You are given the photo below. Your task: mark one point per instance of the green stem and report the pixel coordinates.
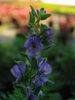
(30, 73)
(37, 27)
(34, 75)
(34, 28)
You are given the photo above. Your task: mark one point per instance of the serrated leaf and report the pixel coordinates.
(51, 45)
(33, 11)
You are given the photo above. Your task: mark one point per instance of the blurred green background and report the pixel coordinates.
(14, 17)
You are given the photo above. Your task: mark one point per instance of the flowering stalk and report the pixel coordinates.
(35, 70)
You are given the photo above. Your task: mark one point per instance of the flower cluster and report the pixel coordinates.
(35, 68)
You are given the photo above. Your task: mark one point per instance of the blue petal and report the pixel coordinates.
(37, 82)
(47, 69)
(16, 71)
(27, 44)
(43, 78)
(22, 67)
(30, 52)
(49, 41)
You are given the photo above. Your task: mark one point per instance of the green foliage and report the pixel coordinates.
(10, 52)
(55, 96)
(71, 99)
(18, 94)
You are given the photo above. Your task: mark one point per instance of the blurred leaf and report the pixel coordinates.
(42, 27)
(31, 31)
(43, 17)
(32, 18)
(34, 62)
(25, 36)
(42, 9)
(37, 90)
(50, 81)
(37, 11)
(33, 11)
(51, 45)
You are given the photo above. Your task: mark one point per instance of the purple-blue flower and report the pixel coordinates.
(33, 46)
(44, 69)
(18, 70)
(40, 93)
(49, 35)
(29, 94)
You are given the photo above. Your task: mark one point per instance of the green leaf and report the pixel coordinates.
(50, 81)
(42, 32)
(42, 9)
(29, 23)
(32, 19)
(34, 62)
(42, 28)
(37, 20)
(41, 13)
(37, 90)
(37, 11)
(33, 11)
(51, 45)
(17, 62)
(23, 54)
(31, 31)
(25, 36)
(43, 17)
(45, 12)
